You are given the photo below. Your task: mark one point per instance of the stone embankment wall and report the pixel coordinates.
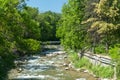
(96, 59)
(99, 59)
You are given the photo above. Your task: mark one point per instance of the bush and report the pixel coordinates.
(115, 54)
(100, 49)
(73, 56)
(30, 46)
(83, 62)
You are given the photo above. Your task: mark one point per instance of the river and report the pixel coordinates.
(53, 65)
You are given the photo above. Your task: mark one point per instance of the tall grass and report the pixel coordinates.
(102, 71)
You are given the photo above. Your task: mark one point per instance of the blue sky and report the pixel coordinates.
(46, 5)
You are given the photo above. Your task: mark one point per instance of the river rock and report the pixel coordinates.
(19, 70)
(65, 64)
(70, 65)
(86, 71)
(60, 58)
(52, 62)
(65, 57)
(49, 55)
(78, 69)
(66, 68)
(105, 79)
(81, 79)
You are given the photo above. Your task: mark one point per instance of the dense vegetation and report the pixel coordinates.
(92, 25)
(22, 28)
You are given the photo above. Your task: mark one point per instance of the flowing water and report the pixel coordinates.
(52, 66)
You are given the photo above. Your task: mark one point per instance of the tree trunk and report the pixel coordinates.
(107, 47)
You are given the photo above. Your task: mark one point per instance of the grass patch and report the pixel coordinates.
(102, 71)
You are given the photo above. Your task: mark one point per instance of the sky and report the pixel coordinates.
(46, 5)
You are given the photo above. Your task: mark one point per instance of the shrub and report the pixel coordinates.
(100, 49)
(73, 56)
(30, 46)
(115, 54)
(83, 62)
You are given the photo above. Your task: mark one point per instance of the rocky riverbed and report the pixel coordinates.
(53, 65)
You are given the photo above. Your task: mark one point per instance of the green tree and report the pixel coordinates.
(10, 29)
(105, 21)
(30, 23)
(71, 31)
(11, 20)
(48, 24)
(31, 31)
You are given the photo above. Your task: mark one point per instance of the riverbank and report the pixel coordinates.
(98, 71)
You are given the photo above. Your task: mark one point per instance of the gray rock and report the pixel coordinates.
(81, 79)
(66, 68)
(105, 79)
(86, 71)
(65, 64)
(65, 57)
(77, 69)
(19, 70)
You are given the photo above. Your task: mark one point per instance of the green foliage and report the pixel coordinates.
(30, 46)
(10, 27)
(77, 61)
(115, 54)
(13, 29)
(70, 30)
(101, 71)
(31, 29)
(48, 24)
(73, 56)
(81, 63)
(100, 49)
(106, 20)
(93, 23)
